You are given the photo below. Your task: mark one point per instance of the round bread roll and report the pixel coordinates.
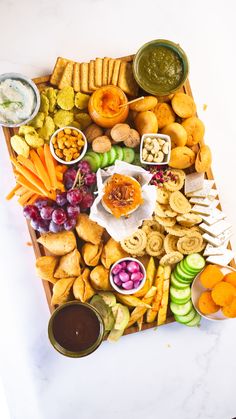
(181, 158)
(165, 114)
(195, 130)
(203, 159)
(177, 134)
(146, 104)
(183, 105)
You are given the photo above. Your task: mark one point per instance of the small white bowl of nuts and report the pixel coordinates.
(155, 149)
(68, 145)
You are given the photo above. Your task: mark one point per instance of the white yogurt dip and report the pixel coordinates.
(17, 101)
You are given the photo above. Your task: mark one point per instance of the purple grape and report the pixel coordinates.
(59, 216)
(116, 269)
(137, 276)
(136, 284)
(133, 267)
(43, 226)
(43, 202)
(35, 224)
(70, 224)
(124, 277)
(117, 280)
(129, 285)
(74, 196)
(90, 179)
(61, 199)
(69, 178)
(31, 212)
(55, 228)
(84, 167)
(87, 201)
(46, 213)
(73, 212)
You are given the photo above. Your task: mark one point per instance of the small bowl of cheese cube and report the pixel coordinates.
(155, 149)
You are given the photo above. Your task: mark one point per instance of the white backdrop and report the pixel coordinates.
(173, 372)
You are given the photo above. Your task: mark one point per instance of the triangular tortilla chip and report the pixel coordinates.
(69, 265)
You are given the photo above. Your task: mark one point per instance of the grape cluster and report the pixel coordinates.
(47, 215)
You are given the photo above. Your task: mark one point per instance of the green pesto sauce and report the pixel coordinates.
(160, 68)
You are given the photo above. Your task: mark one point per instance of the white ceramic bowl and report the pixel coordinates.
(197, 289)
(134, 290)
(24, 80)
(163, 137)
(81, 154)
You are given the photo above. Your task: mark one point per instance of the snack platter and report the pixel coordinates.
(40, 250)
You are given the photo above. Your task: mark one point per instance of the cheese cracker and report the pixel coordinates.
(66, 78)
(105, 71)
(76, 77)
(126, 79)
(115, 73)
(91, 70)
(84, 78)
(98, 72)
(58, 70)
(110, 69)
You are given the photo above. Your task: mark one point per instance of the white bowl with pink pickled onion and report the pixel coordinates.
(127, 275)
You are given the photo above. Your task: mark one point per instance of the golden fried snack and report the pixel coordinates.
(69, 265)
(160, 210)
(152, 225)
(146, 104)
(177, 134)
(191, 243)
(165, 114)
(155, 243)
(179, 203)
(189, 219)
(136, 243)
(146, 122)
(171, 258)
(89, 230)
(58, 243)
(181, 157)
(195, 130)
(82, 288)
(169, 212)
(162, 196)
(112, 251)
(165, 221)
(170, 243)
(45, 268)
(183, 105)
(91, 253)
(61, 290)
(177, 181)
(203, 159)
(177, 230)
(99, 278)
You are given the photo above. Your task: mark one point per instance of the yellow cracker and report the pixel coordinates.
(110, 69)
(98, 72)
(76, 77)
(115, 73)
(91, 70)
(105, 71)
(126, 79)
(84, 78)
(66, 78)
(58, 70)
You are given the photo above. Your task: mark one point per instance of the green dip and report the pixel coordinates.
(160, 69)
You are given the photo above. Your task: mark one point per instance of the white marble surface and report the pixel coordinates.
(175, 372)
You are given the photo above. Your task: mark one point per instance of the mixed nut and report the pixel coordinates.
(68, 144)
(155, 150)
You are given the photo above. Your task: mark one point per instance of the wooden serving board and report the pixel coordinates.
(39, 250)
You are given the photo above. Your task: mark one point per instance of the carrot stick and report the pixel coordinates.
(31, 178)
(50, 166)
(27, 163)
(12, 192)
(24, 182)
(60, 186)
(24, 198)
(59, 175)
(61, 168)
(41, 155)
(21, 191)
(41, 171)
(32, 199)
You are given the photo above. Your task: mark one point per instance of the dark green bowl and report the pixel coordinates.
(151, 88)
(65, 351)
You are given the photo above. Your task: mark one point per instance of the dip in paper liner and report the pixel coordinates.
(119, 228)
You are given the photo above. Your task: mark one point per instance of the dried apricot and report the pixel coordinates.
(206, 304)
(230, 278)
(230, 309)
(223, 293)
(211, 276)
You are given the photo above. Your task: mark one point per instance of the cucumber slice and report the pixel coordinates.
(96, 156)
(128, 154)
(112, 155)
(195, 321)
(176, 283)
(176, 275)
(186, 269)
(92, 162)
(179, 301)
(137, 161)
(105, 159)
(187, 318)
(119, 152)
(195, 261)
(183, 275)
(178, 295)
(181, 309)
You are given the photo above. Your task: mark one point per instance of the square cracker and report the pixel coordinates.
(91, 70)
(126, 79)
(115, 74)
(76, 77)
(84, 80)
(98, 72)
(105, 71)
(110, 69)
(66, 78)
(58, 70)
